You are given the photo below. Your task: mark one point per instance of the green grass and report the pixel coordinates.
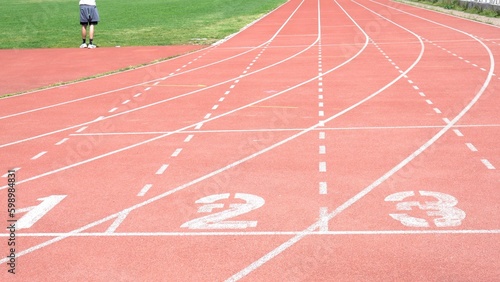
(55, 23)
(456, 5)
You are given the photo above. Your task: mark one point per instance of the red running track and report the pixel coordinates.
(329, 141)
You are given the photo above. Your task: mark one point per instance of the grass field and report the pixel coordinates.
(55, 23)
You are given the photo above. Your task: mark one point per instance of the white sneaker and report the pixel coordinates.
(84, 45)
(91, 46)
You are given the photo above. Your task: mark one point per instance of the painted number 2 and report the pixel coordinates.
(219, 220)
(444, 209)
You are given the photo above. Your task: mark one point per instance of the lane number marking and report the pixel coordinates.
(444, 210)
(219, 220)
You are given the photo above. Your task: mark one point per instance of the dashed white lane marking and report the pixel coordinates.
(487, 164)
(82, 129)
(39, 155)
(198, 126)
(188, 138)
(121, 217)
(156, 83)
(428, 102)
(322, 166)
(99, 118)
(207, 116)
(221, 99)
(162, 169)
(421, 94)
(215, 107)
(438, 111)
(323, 188)
(113, 110)
(62, 141)
(323, 219)
(125, 102)
(321, 113)
(147, 89)
(137, 95)
(322, 135)
(144, 190)
(176, 152)
(471, 147)
(458, 133)
(446, 120)
(7, 174)
(322, 150)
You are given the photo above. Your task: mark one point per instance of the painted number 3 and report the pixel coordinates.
(443, 210)
(219, 220)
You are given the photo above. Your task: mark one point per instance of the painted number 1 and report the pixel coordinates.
(219, 220)
(444, 209)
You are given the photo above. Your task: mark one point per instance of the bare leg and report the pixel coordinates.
(91, 32)
(84, 32)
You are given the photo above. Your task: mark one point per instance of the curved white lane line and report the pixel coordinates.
(156, 79)
(244, 272)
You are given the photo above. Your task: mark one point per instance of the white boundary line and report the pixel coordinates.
(259, 233)
(283, 129)
(273, 253)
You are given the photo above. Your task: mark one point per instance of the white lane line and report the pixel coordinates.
(207, 116)
(258, 233)
(144, 190)
(7, 174)
(323, 188)
(147, 89)
(487, 164)
(446, 120)
(162, 169)
(215, 107)
(471, 147)
(121, 217)
(321, 104)
(322, 135)
(125, 102)
(323, 219)
(428, 102)
(322, 166)
(62, 141)
(421, 94)
(227, 92)
(221, 99)
(137, 95)
(188, 138)
(39, 155)
(176, 152)
(321, 113)
(113, 110)
(156, 83)
(81, 129)
(415, 87)
(322, 150)
(438, 111)
(458, 133)
(198, 126)
(99, 118)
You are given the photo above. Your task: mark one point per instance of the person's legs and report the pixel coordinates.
(91, 33)
(84, 36)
